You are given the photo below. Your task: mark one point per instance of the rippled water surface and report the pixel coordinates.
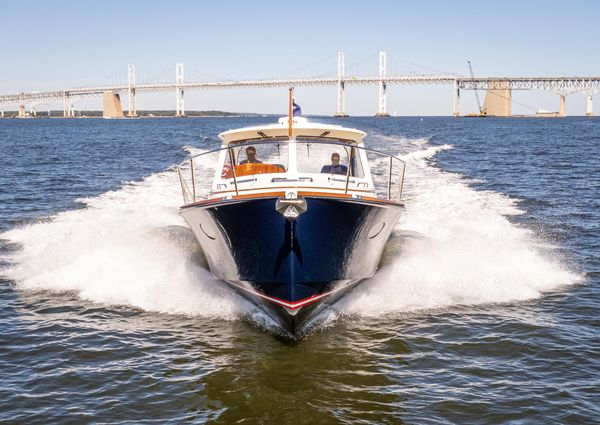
(484, 310)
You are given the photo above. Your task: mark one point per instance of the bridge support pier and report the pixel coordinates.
(68, 110)
(179, 106)
(498, 99)
(111, 105)
(589, 105)
(382, 112)
(562, 112)
(341, 107)
(456, 111)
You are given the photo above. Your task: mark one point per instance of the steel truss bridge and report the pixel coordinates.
(562, 86)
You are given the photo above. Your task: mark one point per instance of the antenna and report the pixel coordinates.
(290, 113)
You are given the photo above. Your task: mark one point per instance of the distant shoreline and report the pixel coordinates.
(140, 114)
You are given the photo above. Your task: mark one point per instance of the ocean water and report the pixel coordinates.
(485, 308)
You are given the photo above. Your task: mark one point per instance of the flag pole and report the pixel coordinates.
(290, 116)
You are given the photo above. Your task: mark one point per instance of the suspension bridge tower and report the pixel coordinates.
(179, 107)
(341, 107)
(131, 91)
(382, 112)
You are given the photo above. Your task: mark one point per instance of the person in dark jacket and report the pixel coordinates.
(335, 167)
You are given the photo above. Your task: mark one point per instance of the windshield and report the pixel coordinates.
(258, 158)
(315, 156)
(261, 153)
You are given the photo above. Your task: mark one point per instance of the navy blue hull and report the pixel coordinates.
(290, 265)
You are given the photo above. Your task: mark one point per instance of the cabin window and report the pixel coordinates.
(315, 157)
(267, 159)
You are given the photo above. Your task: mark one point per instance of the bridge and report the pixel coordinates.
(498, 97)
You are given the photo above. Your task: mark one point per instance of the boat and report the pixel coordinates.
(285, 223)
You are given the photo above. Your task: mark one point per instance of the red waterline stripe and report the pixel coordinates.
(290, 305)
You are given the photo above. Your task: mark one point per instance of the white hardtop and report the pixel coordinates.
(304, 164)
(301, 162)
(301, 127)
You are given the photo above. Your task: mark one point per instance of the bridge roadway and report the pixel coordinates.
(566, 84)
(559, 85)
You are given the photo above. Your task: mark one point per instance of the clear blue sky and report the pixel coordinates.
(49, 45)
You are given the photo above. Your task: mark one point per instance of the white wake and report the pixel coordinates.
(126, 247)
(454, 245)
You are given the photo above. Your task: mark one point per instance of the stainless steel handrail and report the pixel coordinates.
(232, 160)
(187, 195)
(268, 142)
(184, 189)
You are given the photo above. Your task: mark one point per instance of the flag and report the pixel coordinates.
(296, 111)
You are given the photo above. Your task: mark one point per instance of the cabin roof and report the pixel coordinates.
(300, 127)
